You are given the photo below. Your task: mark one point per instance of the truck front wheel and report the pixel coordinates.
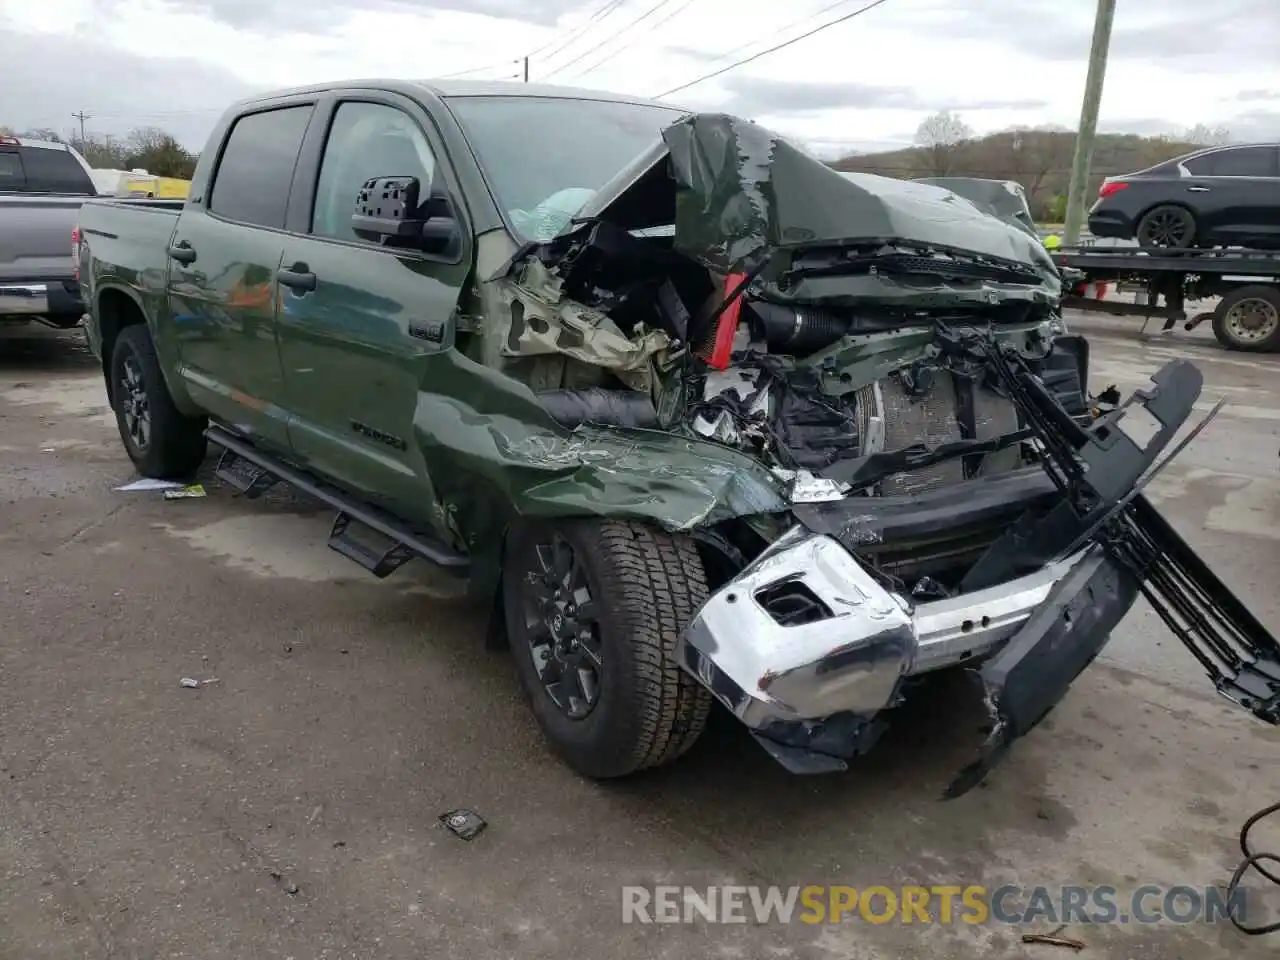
(160, 440)
(593, 610)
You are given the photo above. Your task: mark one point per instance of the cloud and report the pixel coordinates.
(313, 14)
(756, 95)
(1251, 95)
(46, 78)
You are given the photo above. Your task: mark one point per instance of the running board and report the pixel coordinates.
(253, 472)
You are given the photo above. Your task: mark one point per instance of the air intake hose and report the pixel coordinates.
(793, 330)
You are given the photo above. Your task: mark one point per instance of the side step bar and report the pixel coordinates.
(253, 472)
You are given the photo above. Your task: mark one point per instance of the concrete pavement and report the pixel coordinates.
(141, 819)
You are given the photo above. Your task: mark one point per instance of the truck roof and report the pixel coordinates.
(466, 88)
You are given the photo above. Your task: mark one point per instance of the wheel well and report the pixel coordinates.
(116, 310)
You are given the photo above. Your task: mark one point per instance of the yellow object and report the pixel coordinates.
(162, 188)
(1052, 241)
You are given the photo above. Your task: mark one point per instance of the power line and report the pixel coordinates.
(769, 50)
(600, 14)
(82, 117)
(492, 66)
(614, 36)
(807, 18)
(649, 29)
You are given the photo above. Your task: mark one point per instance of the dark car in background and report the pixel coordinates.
(1220, 196)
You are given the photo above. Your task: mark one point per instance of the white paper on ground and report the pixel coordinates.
(146, 483)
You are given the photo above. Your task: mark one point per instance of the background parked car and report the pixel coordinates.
(1222, 196)
(42, 185)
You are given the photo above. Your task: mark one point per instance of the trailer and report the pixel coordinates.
(1247, 316)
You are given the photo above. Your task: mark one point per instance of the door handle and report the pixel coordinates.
(183, 252)
(297, 278)
(1197, 189)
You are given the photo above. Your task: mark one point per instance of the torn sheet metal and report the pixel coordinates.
(545, 323)
(745, 194)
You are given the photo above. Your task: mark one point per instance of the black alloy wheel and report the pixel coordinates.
(562, 634)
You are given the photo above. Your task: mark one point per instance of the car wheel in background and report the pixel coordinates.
(1249, 319)
(1167, 225)
(593, 611)
(161, 441)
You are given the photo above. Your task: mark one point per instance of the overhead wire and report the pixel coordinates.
(775, 48)
(608, 40)
(600, 14)
(647, 30)
(564, 41)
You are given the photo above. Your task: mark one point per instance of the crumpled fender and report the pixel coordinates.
(494, 453)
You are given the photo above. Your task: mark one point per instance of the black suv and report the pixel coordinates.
(1221, 196)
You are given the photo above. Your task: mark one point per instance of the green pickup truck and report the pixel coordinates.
(700, 419)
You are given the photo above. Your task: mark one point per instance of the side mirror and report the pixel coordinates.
(389, 211)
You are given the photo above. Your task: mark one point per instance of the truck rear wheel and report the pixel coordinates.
(1249, 319)
(594, 609)
(160, 440)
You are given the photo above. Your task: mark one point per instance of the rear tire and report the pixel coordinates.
(631, 590)
(1167, 225)
(1249, 319)
(161, 441)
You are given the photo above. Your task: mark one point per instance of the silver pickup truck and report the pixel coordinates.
(42, 186)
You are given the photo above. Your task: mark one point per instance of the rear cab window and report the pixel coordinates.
(255, 173)
(40, 169)
(1236, 162)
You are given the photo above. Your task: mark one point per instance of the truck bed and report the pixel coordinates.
(126, 241)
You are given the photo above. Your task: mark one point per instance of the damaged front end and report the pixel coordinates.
(893, 361)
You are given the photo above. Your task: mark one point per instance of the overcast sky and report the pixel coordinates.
(861, 85)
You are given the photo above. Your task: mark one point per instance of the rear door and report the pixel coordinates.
(1236, 192)
(375, 325)
(222, 290)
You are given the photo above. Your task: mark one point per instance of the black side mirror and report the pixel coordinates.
(389, 212)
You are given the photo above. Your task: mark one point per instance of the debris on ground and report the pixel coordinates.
(1054, 938)
(465, 823)
(147, 483)
(193, 491)
(191, 683)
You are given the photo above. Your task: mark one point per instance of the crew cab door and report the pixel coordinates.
(223, 260)
(1236, 191)
(363, 328)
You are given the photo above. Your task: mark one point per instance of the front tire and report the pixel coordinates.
(162, 442)
(594, 609)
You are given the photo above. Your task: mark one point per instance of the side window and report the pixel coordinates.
(12, 176)
(1237, 162)
(251, 184)
(366, 140)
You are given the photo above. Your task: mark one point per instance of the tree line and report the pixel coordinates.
(1039, 158)
(148, 148)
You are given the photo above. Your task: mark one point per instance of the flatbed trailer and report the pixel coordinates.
(1248, 282)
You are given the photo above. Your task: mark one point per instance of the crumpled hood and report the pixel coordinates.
(1000, 198)
(744, 193)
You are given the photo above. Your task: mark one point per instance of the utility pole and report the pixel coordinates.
(1083, 159)
(526, 69)
(82, 117)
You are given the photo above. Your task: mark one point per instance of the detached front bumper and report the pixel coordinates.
(805, 647)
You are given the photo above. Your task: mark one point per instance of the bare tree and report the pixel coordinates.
(1203, 135)
(939, 135)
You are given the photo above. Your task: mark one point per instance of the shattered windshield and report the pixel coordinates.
(545, 157)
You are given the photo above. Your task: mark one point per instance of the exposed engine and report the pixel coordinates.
(856, 395)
